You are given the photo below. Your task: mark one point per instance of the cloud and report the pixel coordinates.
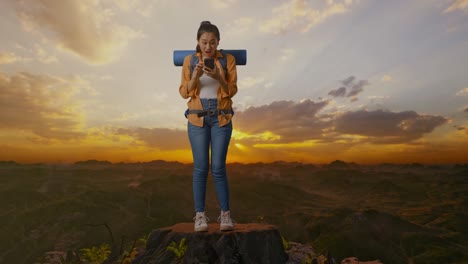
(458, 4)
(141, 7)
(44, 57)
(348, 81)
(354, 88)
(250, 82)
(8, 57)
(222, 4)
(162, 138)
(291, 121)
(297, 15)
(41, 104)
(387, 78)
(357, 88)
(340, 92)
(239, 26)
(86, 28)
(286, 54)
(387, 127)
(377, 97)
(463, 92)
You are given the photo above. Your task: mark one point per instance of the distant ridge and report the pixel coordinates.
(341, 164)
(333, 164)
(8, 163)
(93, 162)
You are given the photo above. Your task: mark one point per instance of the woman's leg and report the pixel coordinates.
(199, 140)
(220, 137)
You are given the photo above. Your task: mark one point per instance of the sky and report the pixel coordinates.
(363, 81)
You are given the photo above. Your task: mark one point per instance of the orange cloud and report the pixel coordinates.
(162, 138)
(291, 121)
(7, 57)
(458, 4)
(41, 104)
(86, 28)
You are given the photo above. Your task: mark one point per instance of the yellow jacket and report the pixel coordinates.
(224, 99)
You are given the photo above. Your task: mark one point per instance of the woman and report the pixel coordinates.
(209, 120)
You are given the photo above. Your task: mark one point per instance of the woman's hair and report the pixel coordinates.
(206, 26)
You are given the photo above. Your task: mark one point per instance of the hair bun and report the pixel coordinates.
(205, 23)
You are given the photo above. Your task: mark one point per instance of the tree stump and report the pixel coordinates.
(247, 243)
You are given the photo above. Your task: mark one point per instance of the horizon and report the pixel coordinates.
(363, 81)
(240, 163)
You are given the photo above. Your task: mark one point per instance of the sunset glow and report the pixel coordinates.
(324, 80)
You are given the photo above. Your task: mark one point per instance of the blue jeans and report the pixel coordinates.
(200, 139)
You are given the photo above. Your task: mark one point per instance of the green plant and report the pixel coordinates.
(285, 243)
(307, 260)
(96, 255)
(322, 259)
(260, 219)
(179, 250)
(144, 239)
(128, 256)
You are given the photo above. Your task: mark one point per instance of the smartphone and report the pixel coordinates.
(209, 62)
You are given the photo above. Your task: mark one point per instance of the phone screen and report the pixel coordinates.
(209, 62)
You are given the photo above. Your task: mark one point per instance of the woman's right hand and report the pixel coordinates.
(198, 70)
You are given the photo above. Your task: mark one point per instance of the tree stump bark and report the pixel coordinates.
(247, 244)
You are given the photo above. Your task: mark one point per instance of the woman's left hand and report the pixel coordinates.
(213, 73)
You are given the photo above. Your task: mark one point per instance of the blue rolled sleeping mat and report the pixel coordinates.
(239, 54)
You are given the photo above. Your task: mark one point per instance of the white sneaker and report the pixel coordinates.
(201, 222)
(226, 223)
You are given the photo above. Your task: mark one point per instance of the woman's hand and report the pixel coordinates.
(213, 73)
(198, 70)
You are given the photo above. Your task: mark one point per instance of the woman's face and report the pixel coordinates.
(208, 44)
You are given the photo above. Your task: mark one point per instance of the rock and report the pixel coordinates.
(248, 243)
(298, 253)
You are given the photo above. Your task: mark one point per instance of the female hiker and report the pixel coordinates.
(210, 88)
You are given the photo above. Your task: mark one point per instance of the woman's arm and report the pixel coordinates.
(229, 86)
(188, 83)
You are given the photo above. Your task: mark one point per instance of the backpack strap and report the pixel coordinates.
(223, 63)
(194, 61)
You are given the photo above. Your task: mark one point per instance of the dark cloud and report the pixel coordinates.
(162, 138)
(41, 104)
(387, 127)
(292, 121)
(302, 121)
(349, 84)
(348, 81)
(357, 88)
(340, 92)
(461, 128)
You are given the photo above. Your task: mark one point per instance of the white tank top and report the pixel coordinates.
(208, 87)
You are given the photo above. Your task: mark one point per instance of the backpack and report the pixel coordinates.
(194, 62)
(222, 61)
